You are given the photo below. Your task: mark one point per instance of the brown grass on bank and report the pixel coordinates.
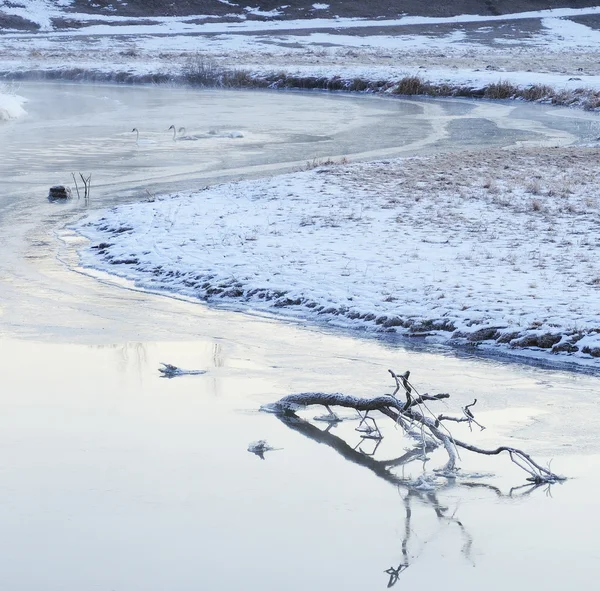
(537, 92)
(501, 90)
(411, 85)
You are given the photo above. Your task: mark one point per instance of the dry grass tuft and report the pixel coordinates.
(536, 205)
(501, 90)
(534, 187)
(537, 92)
(411, 85)
(201, 72)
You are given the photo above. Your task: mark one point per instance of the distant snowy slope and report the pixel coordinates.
(40, 12)
(45, 15)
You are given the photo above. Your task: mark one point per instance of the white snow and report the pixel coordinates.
(40, 12)
(456, 57)
(11, 105)
(384, 246)
(255, 10)
(569, 34)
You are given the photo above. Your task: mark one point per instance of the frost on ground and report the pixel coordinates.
(498, 248)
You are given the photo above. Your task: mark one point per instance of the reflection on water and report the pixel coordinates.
(218, 358)
(129, 356)
(422, 490)
(154, 476)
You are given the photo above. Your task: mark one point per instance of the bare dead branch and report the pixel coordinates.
(441, 418)
(76, 186)
(411, 416)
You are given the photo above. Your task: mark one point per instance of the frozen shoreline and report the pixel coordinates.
(534, 290)
(482, 254)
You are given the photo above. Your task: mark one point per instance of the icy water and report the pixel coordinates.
(112, 477)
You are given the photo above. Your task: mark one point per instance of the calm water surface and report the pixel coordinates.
(113, 478)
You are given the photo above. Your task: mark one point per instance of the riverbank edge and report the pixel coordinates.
(202, 74)
(572, 345)
(199, 73)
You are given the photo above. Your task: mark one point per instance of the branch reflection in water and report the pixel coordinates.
(410, 490)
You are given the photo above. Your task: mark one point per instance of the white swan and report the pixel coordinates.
(229, 134)
(182, 135)
(137, 138)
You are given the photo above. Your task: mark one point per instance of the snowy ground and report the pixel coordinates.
(467, 50)
(484, 253)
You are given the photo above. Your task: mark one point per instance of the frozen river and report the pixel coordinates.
(113, 478)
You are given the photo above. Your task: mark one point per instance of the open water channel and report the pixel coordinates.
(113, 478)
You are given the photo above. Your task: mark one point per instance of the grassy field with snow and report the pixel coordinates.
(498, 250)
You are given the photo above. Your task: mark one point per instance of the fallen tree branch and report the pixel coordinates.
(412, 416)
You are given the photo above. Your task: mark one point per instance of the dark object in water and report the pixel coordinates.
(59, 193)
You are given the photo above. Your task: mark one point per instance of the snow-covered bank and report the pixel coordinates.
(499, 250)
(557, 49)
(11, 105)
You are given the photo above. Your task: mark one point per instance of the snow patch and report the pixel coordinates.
(266, 13)
(11, 106)
(40, 12)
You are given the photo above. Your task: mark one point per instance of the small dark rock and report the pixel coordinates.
(595, 352)
(394, 321)
(484, 334)
(432, 325)
(132, 261)
(59, 193)
(102, 246)
(234, 292)
(544, 341)
(507, 337)
(565, 347)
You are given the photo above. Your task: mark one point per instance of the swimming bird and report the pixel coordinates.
(229, 134)
(137, 138)
(182, 135)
